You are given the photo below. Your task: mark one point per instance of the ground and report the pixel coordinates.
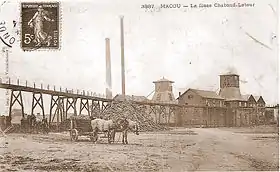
(182, 149)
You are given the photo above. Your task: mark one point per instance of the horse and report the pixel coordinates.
(132, 126)
(101, 125)
(107, 126)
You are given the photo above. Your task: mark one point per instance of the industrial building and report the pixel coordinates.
(227, 108)
(163, 91)
(197, 97)
(229, 95)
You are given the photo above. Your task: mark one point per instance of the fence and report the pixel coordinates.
(220, 116)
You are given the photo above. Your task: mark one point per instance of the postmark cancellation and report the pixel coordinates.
(40, 25)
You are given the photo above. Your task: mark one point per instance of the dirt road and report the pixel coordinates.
(177, 150)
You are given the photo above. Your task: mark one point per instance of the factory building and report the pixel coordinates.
(227, 108)
(197, 97)
(229, 95)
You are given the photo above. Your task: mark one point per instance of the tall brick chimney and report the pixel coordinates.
(122, 58)
(108, 70)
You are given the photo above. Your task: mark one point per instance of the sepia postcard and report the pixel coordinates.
(173, 86)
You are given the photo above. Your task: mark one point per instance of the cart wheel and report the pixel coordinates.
(74, 135)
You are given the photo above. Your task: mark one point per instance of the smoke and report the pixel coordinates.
(231, 70)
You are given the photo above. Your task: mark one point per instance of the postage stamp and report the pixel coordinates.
(40, 25)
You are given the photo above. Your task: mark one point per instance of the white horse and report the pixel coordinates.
(132, 126)
(107, 126)
(101, 125)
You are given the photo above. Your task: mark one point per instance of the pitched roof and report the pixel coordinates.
(257, 97)
(163, 80)
(205, 93)
(246, 96)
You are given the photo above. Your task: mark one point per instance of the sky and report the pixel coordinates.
(188, 46)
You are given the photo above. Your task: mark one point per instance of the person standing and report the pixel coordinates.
(37, 22)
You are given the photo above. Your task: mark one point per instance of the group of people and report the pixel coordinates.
(31, 124)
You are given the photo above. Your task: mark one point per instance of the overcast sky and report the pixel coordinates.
(189, 46)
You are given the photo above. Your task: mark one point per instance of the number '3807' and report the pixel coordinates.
(147, 6)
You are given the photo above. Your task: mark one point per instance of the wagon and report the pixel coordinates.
(82, 127)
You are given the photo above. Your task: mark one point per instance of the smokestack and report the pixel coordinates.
(108, 70)
(122, 58)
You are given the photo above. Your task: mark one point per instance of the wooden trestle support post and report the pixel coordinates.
(38, 101)
(57, 102)
(104, 106)
(71, 103)
(84, 105)
(16, 97)
(161, 113)
(95, 108)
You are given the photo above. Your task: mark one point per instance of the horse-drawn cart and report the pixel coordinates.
(82, 127)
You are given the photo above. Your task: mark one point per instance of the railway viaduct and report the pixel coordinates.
(62, 100)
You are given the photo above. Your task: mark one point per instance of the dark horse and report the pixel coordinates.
(132, 126)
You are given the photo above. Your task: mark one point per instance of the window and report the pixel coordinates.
(170, 96)
(240, 103)
(245, 104)
(190, 96)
